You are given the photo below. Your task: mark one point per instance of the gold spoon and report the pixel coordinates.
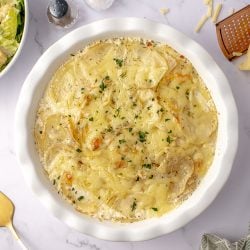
(6, 217)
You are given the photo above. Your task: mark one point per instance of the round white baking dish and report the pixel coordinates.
(33, 90)
(25, 31)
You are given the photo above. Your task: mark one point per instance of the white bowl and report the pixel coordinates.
(33, 90)
(25, 31)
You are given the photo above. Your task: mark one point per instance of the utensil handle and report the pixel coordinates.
(13, 231)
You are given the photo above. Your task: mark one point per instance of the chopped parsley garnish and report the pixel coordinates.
(122, 141)
(167, 119)
(177, 87)
(82, 89)
(133, 206)
(78, 150)
(40, 132)
(123, 158)
(136, 116)
(130, 129)
(151, 177)
(123, 74)
(170, 131)
(142, 136)
(187, 93)
(119, 62)
(138, 178)
(155, 209)
(109, 129)
(103, 85)
(169, 139)
(134, 104)
(117, 112)
(99, 197)
(54, 182)
(80, 198)
(91, 119)
(147, 165)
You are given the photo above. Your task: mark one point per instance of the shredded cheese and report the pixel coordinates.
(207, 2)
(216, 13)
(210, 10)
(231, 11)
(164, 11)
(246, 64)
(237, 53)
(201, 23)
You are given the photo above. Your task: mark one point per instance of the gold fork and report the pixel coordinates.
(6, 217)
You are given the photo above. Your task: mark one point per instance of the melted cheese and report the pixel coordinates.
(126, 129)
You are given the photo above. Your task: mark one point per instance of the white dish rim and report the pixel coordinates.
(214, 79)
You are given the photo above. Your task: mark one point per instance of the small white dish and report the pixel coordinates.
(33, 90)
(25, 31)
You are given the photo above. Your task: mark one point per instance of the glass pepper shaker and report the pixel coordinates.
(62, 13)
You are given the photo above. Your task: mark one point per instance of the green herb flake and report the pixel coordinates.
(117, 112)
(119, 62)
(187, 94)
(142, 136)
(169, 139)
(130, 129)
(40, 132)
(133, 206)
(122, 141)
(54, 182)
(91, 119)
(147, 165)
(154, 208)
(138, 178)
(170, 131)
(80, 198)
(103, 85)
(151, 177)
(167, 119)
(177, 87)
(78, 150)
(123, 74)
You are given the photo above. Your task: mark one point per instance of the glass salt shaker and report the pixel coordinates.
(62, 13)
(99, 4)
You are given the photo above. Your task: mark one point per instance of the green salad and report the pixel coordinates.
(11, 29)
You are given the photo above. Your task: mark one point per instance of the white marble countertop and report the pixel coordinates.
(228, 215)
